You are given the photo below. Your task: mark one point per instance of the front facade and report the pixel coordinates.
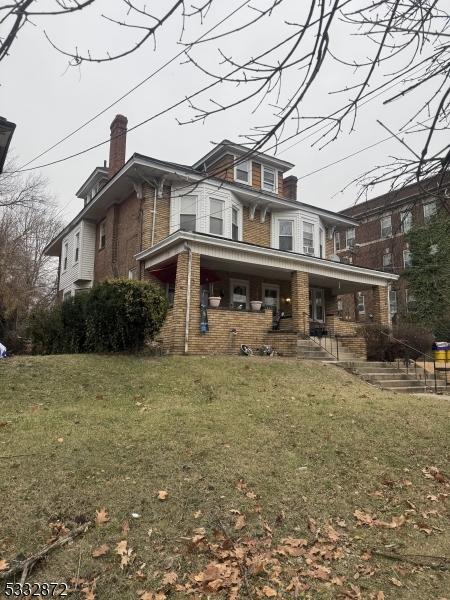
(231, 228)
(379, 242)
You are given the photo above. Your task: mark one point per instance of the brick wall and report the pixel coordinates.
(254, 231)
(256, 175)
(223, 168)
(300, 301)
(356, 345)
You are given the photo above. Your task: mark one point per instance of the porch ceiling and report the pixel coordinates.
(336, 286)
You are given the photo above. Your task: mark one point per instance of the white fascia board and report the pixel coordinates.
(343, 269)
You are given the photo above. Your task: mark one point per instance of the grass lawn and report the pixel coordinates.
(280, 479)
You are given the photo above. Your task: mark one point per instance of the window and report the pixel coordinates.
(360, 306)
(285, 241)
(406, 220)
(350, 237)
(407, 258)
(337, 241)
(188, 213)
(67, 295)
(410, 299)
(132, 273)
(269, 179)
(216, 216)
(387, 261)
(242, 172)
(321, 242)
(308, 238)
(239, 294)
(386, 227)
(392, 302)
(76, 254)
(429, 210)
(65, 255)
(234, 223)
(102, 235)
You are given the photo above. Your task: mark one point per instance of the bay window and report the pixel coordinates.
(234, 223)
(285, 238)
(216, 216)
(188, 213)
(308, 238)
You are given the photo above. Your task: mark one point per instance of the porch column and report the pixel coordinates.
(380, 309)
(300, 301)
(184, 307)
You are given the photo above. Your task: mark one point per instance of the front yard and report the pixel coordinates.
(222, 477)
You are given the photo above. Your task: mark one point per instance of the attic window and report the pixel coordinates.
(268, 179)
(242, 172)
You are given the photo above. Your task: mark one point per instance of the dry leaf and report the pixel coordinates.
(100, 551)
(163, 495)
(380, 595)
(169, 578)
(197, 514)
(147, 596)
(240, 523)
(3, 564)
(396, 582)
(124, 552)
(125, 527)
(101, 516)
(269, 592)
(363, 517)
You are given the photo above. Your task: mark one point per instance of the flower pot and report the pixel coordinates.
(256, 305)
(214, 301)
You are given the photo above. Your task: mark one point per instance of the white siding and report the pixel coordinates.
(298, 217)
(79, 274)
(203, 193)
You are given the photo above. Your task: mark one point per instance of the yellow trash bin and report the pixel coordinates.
(441, 351)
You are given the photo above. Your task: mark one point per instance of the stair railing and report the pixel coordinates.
(408, 351)
(324, 341)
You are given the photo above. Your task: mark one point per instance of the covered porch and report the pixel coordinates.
(303, 291)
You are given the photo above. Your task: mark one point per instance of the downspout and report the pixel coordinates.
(154, 216)
(188, 299)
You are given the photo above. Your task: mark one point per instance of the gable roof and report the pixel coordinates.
(226, 146)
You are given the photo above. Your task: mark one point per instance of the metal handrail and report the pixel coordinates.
(421, 354)
(322, 337)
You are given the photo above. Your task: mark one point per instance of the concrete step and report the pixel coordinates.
(400, 383)
(386, 376)
(408, 389)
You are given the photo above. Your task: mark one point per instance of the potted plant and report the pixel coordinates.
(214, 301)
(255, 305)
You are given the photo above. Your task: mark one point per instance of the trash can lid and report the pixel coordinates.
(441, 346)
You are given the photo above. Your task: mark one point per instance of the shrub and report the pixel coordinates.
(383, 346)
(122, 314)
(377, 341)
(415, 336)
(115, 315)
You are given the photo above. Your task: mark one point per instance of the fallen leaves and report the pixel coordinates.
(371, 521)
(101, 516)
(124, 552)
(4, 565)
(163, 495)
(435, 473)
(170, 578)
(240, 523)
(100, 551)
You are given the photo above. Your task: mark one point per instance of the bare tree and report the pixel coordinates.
(27, 276)
(401, 51)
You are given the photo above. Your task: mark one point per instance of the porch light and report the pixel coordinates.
(288, 300)
(6, 133)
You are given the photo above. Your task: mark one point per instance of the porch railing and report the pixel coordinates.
(325, 339)
(413, 366)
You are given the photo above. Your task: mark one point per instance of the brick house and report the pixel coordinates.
(226, 227)
(379, 243)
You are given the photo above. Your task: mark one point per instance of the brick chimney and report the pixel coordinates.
(118, 143)
(290, 187)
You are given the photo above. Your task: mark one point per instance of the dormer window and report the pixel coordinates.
(269, 179)
(242, 172)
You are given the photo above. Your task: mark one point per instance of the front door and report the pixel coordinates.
(271, 297)
(317, 304)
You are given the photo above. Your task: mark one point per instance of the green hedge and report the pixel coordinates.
(115, 315)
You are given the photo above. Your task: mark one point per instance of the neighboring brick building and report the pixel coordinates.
(379, 243)
(231, 227)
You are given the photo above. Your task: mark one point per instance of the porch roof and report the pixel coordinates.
(260, 257)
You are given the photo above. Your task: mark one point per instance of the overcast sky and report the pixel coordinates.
(47, 100)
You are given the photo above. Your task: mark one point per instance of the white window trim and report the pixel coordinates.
(426, 204)
(179, 200)
(101, 225)
(336, 236)
(404, 220)
(65, 258)
(279, 220)
(239, 221)
(391, 263)
(77, 233)
(223, 218)
(347, 247)
(242, 282)
(406, 250)
(383, 235)
(314, 241)
(264, 168)
(250, 171)
(391, 313)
